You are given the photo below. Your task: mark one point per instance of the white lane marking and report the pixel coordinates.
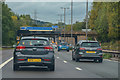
(78, 68)
(3, 64)
(57, 57)
(65, 61)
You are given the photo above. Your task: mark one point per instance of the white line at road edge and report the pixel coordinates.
(3, 64)
(78, 68)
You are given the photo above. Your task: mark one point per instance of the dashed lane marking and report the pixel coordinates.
(3, 64)
(65, 61)
(78, 68)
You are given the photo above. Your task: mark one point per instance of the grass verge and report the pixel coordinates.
(107, 56)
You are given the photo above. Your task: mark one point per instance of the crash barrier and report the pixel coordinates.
(115, 54)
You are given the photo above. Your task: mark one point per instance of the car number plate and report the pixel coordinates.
(63, 48)
(34, 60)
(90, 52)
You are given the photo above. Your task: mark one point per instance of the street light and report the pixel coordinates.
(64, 18)
(71, 21)
(86, 19)
(60, 22)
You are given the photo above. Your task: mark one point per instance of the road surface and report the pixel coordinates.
(65, 68)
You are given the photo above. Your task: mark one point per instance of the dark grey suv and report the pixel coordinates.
(87, 50)
(33, 51)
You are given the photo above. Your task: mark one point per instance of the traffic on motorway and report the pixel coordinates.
(35, 50)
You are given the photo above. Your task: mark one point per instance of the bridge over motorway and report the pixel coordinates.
(76, 35)
(55, 34)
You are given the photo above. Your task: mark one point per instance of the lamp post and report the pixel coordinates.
(64, 18)
(86, 20)
(71, 21)
(60, 23)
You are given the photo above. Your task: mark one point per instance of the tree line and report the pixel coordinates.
(104, 19)
(12, 22)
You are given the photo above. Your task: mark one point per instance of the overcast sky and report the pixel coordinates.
(48, 11)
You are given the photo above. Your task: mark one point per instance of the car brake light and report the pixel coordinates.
(34, 39)
(82, 48)
(100, 56)
(48, 48)
(20, 47)
(99, 49)
(46, 59)
(21, 59)
(59, 45)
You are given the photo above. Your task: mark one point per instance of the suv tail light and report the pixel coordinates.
(21, 59)
(20, 47)
(99, 49)
(60, 45)
(34, 39)
(48, 48)
(47, 60)
(82, 48)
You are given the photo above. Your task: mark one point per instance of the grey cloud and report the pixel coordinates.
(48, 11)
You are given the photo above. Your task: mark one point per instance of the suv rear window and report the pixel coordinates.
(90, 44)
(39, 42)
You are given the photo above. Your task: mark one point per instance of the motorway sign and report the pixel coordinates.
(36, 28)
(54, 26)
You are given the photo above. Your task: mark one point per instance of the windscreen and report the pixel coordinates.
(90, 44)
(39, 42)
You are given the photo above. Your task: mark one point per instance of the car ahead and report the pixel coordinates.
(33, 51)
(54, 45)
(87, 50)
(63, 46)
(70, 46)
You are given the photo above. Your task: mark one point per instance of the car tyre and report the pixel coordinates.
(73, 58)
(67, 50)
(15, 67)
(96, 60)
(77, 59)
(100, 60)
(58, 50)
(52, 67)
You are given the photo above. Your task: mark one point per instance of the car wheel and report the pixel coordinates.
(73, 58)
(100, 60)
(58, 50)
(67, 50)
(77, 59)
(15, 67)
(95, 60)
(52, 67)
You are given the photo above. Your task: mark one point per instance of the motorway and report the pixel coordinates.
(65, 68)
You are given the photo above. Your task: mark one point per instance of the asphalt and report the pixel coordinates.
(65, 68)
